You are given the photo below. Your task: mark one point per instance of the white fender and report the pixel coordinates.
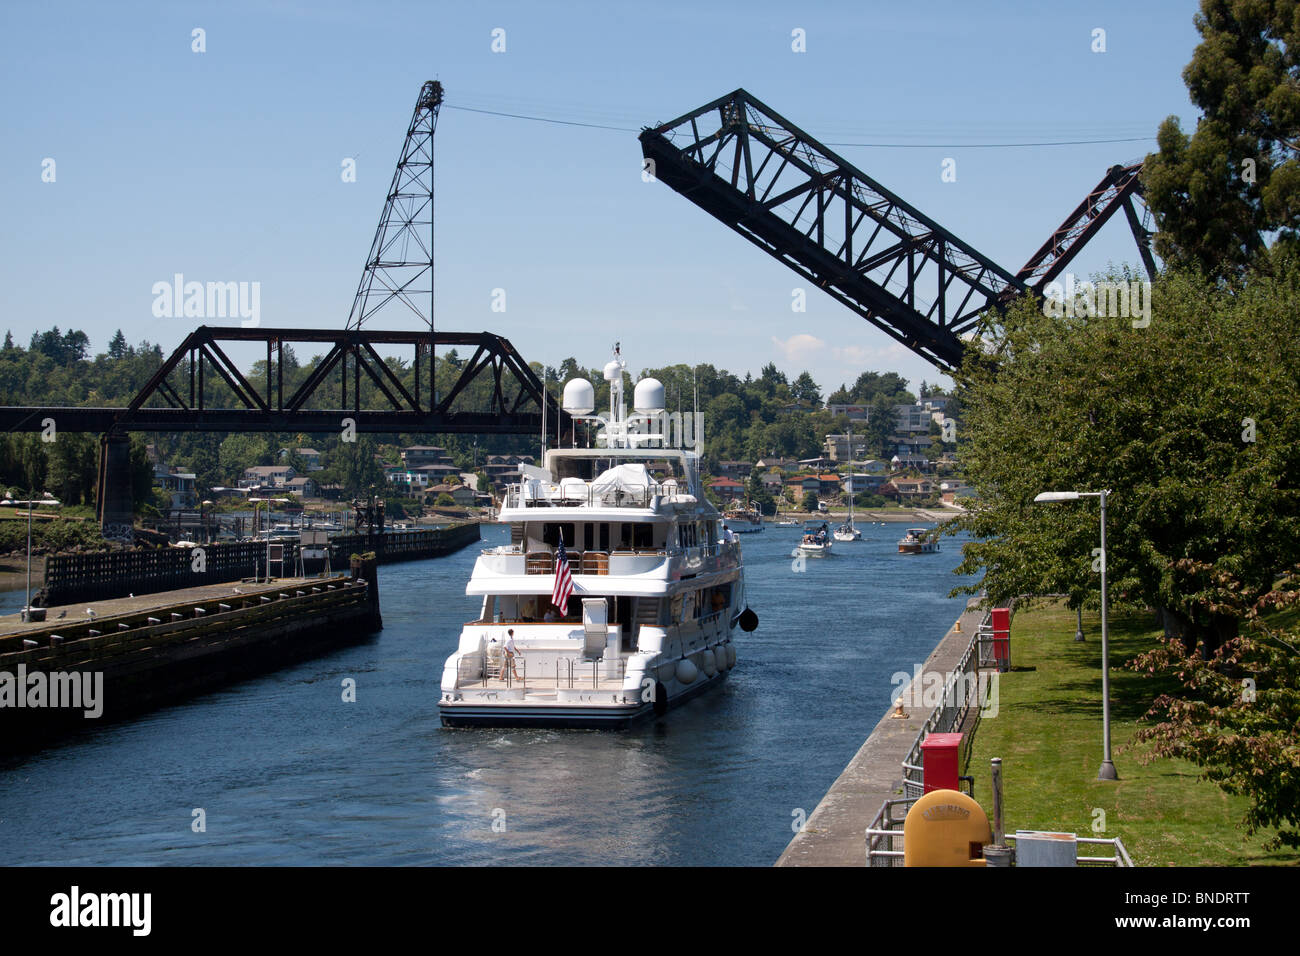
(687, 671)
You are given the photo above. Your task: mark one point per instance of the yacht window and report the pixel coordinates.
(643, 535)
(588, 537)
(573, 468)
(689, 609)
(552, 530)
(604, 537)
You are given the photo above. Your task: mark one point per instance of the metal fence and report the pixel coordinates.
(1118, 853)
(567, 673)
(578, 494)
(885, 835)
(885, 840)
(960, 693)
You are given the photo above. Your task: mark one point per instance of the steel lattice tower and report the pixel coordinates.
(400, 264)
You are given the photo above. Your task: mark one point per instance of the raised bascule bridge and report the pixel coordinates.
(358, 384)
(825, 219)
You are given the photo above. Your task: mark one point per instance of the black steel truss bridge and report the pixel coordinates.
(400, 399)
(804, 205)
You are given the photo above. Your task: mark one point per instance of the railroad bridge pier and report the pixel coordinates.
(114, 504)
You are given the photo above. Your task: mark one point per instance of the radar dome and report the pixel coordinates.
(649, 396)
(613, 370)
(579, 397)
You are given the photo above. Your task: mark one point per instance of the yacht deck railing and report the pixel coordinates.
(485, 670)
(574, 493)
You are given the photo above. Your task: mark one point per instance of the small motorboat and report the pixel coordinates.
(918, 541)
(816, 543)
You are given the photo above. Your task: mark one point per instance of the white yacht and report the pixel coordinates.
(658, 588)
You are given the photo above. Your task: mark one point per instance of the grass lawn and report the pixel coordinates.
(1048, 734)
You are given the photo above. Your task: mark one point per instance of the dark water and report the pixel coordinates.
(287, 773)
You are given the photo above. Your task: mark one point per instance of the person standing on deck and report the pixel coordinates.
(511, 651)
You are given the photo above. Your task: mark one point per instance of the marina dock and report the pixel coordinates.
(96, 576)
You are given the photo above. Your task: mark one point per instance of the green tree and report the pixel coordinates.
(889, 384)
(1192, 422)
(809, 501)
(142, 490)
(758, 495)
(239, 452)
(357, 469)
(72, 468)
(117, 347)
(1217, 192)
(880, 425)
(805, 389)
(1237, 715)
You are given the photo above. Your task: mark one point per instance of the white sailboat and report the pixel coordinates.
(847, 531)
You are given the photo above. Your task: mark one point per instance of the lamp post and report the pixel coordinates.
(1107, 771)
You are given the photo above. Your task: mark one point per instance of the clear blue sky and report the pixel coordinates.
(225, 165)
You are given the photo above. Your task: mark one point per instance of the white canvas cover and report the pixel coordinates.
(631, 478)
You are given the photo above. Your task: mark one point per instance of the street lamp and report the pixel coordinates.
(1107, 771)
(48, 501)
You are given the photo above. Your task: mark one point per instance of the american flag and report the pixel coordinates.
(563, 580)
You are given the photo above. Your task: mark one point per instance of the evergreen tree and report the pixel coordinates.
(1236, 178)
(117, 347)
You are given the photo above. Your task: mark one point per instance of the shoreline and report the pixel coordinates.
(922, 515)
(13, 572)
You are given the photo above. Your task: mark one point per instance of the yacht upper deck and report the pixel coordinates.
(649, 480)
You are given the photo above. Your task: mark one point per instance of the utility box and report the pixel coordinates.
(1002, 638)
(940, 760)
(1045, 848)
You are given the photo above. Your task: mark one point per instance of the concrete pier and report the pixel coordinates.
(834, 834)
(142, 652)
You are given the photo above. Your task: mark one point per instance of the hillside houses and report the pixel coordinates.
(267, 476)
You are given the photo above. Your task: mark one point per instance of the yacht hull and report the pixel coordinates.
(588, 716)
